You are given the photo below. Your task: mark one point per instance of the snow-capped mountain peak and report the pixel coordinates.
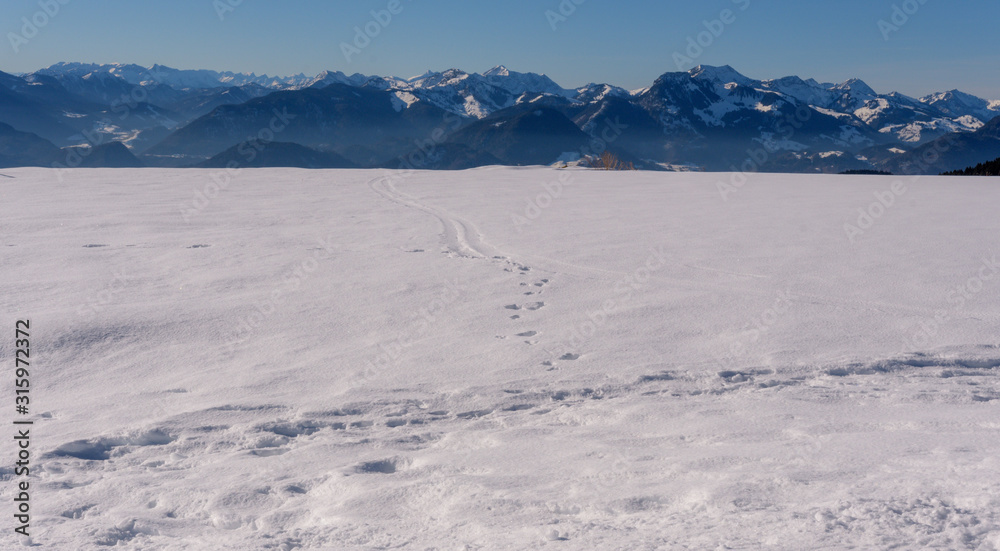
(597, 92)
(722, 75)
(335, 77)
(450, 77)
(499, 70)
(856, 87)
(807, 91)
(957, 103)
(519, 83)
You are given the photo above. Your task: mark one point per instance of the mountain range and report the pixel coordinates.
(709, 118)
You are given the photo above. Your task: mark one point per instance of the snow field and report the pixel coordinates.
(369, 360)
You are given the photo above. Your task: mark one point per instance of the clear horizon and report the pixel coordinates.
(915, 47)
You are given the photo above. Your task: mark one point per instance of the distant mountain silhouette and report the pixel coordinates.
(275, 154)
(713, 118)
(109, 155)
(24, 148)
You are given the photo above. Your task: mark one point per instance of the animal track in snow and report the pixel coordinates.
(474, 414)
(77, 512)
(383, 466)
(101, 449)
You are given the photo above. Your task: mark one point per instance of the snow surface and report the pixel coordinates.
(923, 131)
(504, 358)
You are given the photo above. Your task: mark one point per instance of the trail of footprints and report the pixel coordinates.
(532, 290)
(411, 425)
(528, 336)
(402, 428)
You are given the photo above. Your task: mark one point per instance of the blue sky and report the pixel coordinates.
(938, 46)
